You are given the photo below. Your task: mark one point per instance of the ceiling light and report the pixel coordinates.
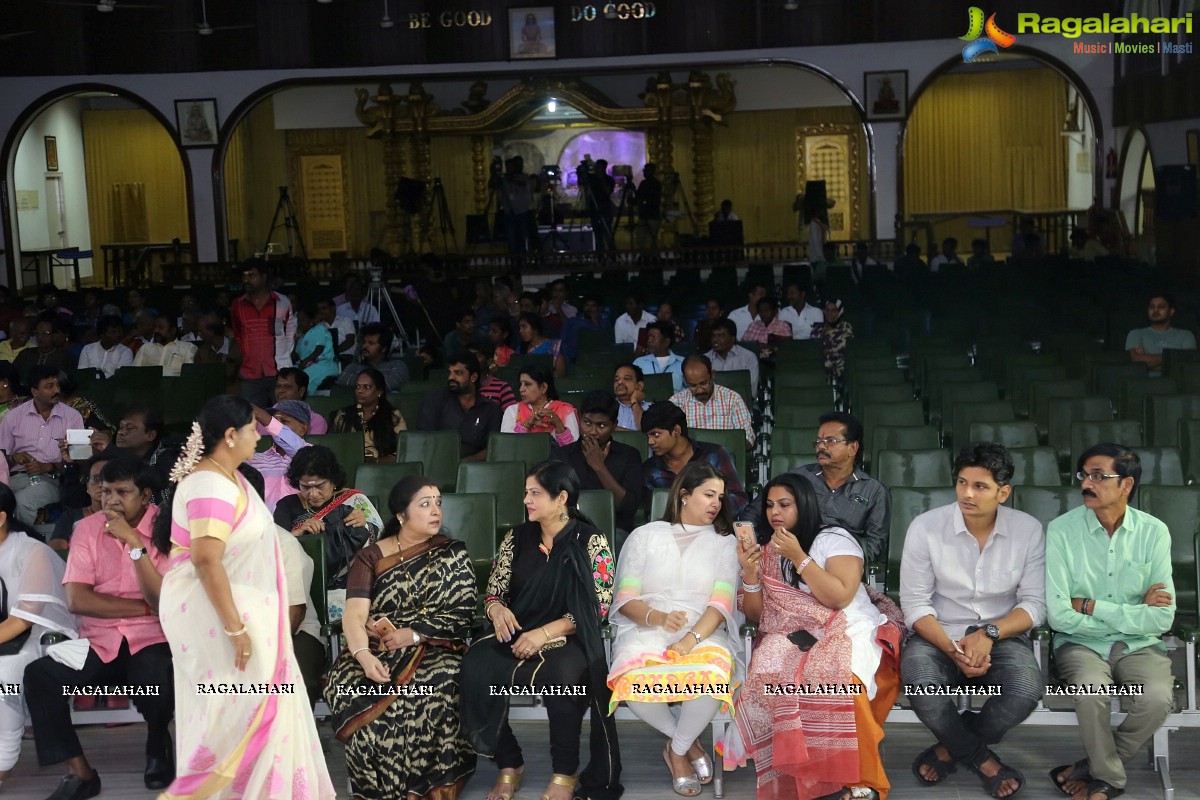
(552, 106)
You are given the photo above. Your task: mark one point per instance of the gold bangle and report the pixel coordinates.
(545, 632)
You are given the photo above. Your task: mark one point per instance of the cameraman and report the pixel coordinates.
(649, 209)
(516, 200)
(600, 205)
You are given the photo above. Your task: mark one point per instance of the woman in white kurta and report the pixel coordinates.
(223, 609)
(676, 621)
(34, 603)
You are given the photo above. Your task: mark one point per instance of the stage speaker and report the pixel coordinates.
(815, 204)
(410, 192)
(1175, 192)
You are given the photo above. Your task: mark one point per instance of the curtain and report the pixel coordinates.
(130, 222)
(987, 140)
(130, 146)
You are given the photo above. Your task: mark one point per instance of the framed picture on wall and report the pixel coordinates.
(531, 32)
(196, 121)
(886, 94)
(1193, 148)
(51, 154)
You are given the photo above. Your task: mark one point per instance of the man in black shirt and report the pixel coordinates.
(459, 407)
(602, 463)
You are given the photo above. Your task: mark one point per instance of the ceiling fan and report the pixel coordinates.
(204, 28)
(103, 6)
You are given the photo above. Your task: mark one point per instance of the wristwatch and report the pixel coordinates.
(137, 552)
(992, 632)
(416, 638)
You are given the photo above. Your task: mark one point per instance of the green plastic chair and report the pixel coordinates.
(1161, 466)
(800, 416)
(348, 447)
(962, 415)
(1162, 414)
(882, 393)
(907, 505)
(874, 415)
(799, 377)
(409, 405)
(659, 387)
(919, 469)
(739, 381)
(376, 481)
(436, 450)
(599, 506)
(1018, 433)
(1045, 503)
(1106, 378)
(658, 504)
(1084, 434)
(1134, 392)
(733, 441)
(1189, 448)
(1017, 388)
(794, 441)
(182, 398)
(954, 393)
(211, 375)
(1187, 376)
(136, 386)
(1179, 509)
(1035, 466)
(327, 406)
(1042, 392)
(635, 439)
(1066, 410)
(805, 396)
(786, 462)
(528, 448)
(505, 479)
(471, 518)
(901, 437)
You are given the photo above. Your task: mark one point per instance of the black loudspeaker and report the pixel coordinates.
(815, 201)
(1175, 192)
(410, 193)
(477, 229)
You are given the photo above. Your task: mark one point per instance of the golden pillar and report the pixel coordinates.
(479, 172)
(699, 89)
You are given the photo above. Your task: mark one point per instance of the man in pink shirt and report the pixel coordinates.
(113, 578)
(292, 384)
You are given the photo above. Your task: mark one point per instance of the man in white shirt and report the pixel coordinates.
(727, 355)
(948, 256)
(356, 308)
(341, 328)
(659, 359)
(798, 313)
(627, 326)
(742, 317)
(166, 350)
(726, 213)
(108, 354)
(972, 585)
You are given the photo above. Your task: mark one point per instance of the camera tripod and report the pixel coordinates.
(439, 208)
(291, 227)
(674, 195)
(600, 225)
(553, 241)
(380, 299)
(627, 207)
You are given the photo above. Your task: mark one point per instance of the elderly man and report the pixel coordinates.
(849, 497)
(18, 340)
(629, 387)
(972, 585)
(1109, 597)
(798, 313)
(742, 317)
(167, 350)
(708, 405)
(287, 423)
(660, 336)
(1145, 345)
(50, 350)
(30, 436)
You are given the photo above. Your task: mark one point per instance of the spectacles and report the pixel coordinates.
(829, 440)
(1094, 477)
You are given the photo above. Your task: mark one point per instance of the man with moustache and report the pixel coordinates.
(629, 387)
(666, 429)
(167, 350)
(264, 328)
(460, 407)
(849, 497)
(602, 463)
(376, 351)
(708, 405)
(972, 585)
(1110, 597)
(727, 355)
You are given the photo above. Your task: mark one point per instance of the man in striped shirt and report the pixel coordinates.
(708, 405)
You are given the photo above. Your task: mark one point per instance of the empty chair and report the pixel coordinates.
(1035, 466)
(788, 416)
(376, 480)
(348, 447)
(963, 414)
(1162, 413)
(505, 479)
(1173, 359)
(1018, 433)
(907, 505)
(472, 519)
(1189, 448)
(658, 503)
(1104, 372)
(739, 381)
(955, 393)
(1042, 392)
(795, 441)
(1084, 434)
(874, 415)
(1187, 376)
(859, 361)
(1161, 466)
(902, 437)
(659, 387)
(800, 377)
(1179, 508)
(1014, 363)
(1134, 393)
(635, 439)
(804, 396)
(528, 448)
(733, 441)
(936, 380)
(786, 462)
(1017, 385)
(872, 377)
(598, 506)
(914, 468)
(437, 450)
(882, 393)
(1046, 502)
(1065, 410)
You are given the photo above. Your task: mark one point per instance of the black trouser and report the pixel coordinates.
(310, 655)
(50, 706)
(563, 667)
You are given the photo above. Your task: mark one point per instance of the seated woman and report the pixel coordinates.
(374, 416)
(34, 603)
(817, 625)
(346, 516)
(549, 590)
(531, 330)
(410, 602)
(676, 621)
(540, 410)
(499, 335)
(315, 349)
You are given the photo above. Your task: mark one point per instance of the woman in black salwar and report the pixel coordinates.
(550, 588)
(394, 690)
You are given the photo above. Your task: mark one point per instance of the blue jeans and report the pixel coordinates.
(967, 735)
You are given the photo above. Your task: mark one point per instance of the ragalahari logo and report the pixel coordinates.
(995, 36)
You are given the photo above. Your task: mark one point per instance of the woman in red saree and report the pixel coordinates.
(824, 673)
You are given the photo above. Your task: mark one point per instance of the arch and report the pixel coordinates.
(1068, 74)
(1135, 154)
(21, 125)
(524, 103)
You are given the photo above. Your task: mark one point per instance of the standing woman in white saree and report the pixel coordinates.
(224, 612)
(677, 623)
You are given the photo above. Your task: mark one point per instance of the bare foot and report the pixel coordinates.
(927, 770)
(503, 790)
(1008, 786)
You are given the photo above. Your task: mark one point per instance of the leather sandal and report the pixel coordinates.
(509, 780)
(568, 781)
(929, 759)
(1079, 771)
(687, 786)
(993, 783)
(1103, 788)
(704, 769)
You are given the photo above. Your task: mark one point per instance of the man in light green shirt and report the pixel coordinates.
(1109, 597)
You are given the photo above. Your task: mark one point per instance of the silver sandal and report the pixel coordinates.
(704, 769)
(687, 786)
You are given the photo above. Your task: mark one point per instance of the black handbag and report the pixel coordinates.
(13, 645)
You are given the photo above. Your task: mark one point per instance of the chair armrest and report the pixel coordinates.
(749, 629)
(1042, 634)
(52, 637)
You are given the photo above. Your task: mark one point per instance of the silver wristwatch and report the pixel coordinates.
(137, 552)
(416, 638)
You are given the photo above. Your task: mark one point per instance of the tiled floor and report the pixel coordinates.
(116, 752)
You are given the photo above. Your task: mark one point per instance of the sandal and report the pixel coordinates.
(1104, 788)
(992, 783)
(568, 781)
(509, 780)
(1079, 771)
(929, 759)
(704, 769)
(851, 793)
(687, 786)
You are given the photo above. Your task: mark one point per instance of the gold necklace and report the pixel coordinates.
(223, 471)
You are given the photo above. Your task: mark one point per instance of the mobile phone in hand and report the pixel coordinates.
(383, 626)
(745, 532)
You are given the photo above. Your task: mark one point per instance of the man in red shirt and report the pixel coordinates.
(264, 328)
(113, 578)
